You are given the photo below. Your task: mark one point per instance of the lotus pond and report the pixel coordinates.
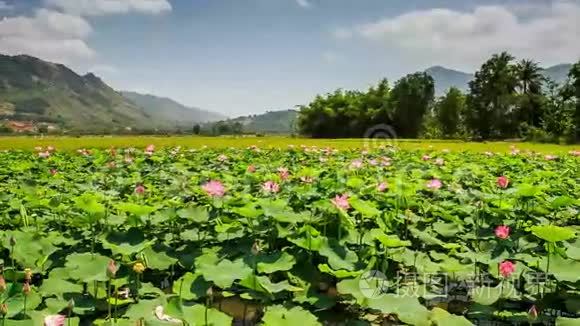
(294, 236)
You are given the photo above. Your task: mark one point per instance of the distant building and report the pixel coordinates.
(22, 126)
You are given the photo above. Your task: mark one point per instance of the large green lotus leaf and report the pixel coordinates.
(314, 243)
(563, 269)
(274, 207)
(341, 273)
(355, 183)
(146, 309)
(157, 258)
(447, 230)
(191, 286)
(573, 305)
(280, 316)
(573, 249)
(31, 249)
(339, 257)
(367, 209)
(126, 243)
(87, 267)
(90, 204)
(288, 216)
(443, 318)
(194, 213)
(196, 315)
(425, 237)
(280, 261)
(263, 284)
(564, 321)
(553, 233)
(225, 272)
(58, 283)
(527, 190)
(15, 303)
(135, 209)
(408, 309)
(562, 201)
(356, 286)
(486, 295)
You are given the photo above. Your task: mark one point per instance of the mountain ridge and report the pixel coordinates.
(446, 77)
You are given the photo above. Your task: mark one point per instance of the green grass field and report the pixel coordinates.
(72, 143)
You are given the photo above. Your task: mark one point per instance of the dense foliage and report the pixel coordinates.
(287, 237)
(506, 99)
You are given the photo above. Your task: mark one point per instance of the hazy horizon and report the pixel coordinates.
(247, 57)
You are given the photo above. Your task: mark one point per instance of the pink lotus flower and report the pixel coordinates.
(53, 171)
(283, 173)
(323, 159)
(50, 148)
(515, 151)
(507, 268)
(54, 320)
(502, 182)
(382, 186)
(574, 153)
(439, 161)
(139, 189)
(307, 179)
(426, 158)
(38, 148)
(356, 164)
(270, 186)
(45, 154)
(111, 165)
(251, 169)
(214, 188)
(149, 150)
(550, 157)
(222, 158)
(502, 232)
(490, 154)
(533, 312)
(373, 162)
(128, 159)
(112, 269)
(341, 202)
(84, 152)
(434, 184)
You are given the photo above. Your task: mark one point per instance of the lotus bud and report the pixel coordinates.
(26, 288)
(112, 269)
(3, 309)
(255, 248)
(71, 304)
(2, 284)
(533, 312)
(209, 292)
(12, 241)
(27, 275)
(138, 268)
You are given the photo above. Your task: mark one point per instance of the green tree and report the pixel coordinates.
(530, 85)
(196, 129)
(411, 97)
(491, 98)
(449, 110)
(574, 76)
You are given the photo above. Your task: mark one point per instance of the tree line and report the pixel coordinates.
(506, 99)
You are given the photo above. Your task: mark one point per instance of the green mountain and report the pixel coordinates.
(35, 90)
(271, 122)
(446, 78)
(165, 109)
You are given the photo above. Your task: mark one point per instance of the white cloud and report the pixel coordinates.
(304, 3)
(48, 34)
(5, 6)
(549, 33)
(106, 7)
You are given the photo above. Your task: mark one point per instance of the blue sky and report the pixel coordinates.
(248, 56)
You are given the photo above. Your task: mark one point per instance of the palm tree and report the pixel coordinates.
(530, 82)
(530, 77)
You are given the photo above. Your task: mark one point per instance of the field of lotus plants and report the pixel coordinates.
(289, 236)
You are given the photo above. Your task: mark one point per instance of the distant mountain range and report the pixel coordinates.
(446, 78)
(166, 109)
(35, 90)
(271, 122)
